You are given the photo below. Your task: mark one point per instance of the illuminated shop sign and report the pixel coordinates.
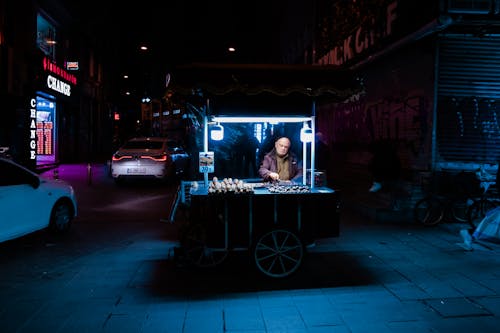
(32, 135)
(362, 38)
(58, 85)
(72, 65)
(57, 78)
(50, 67)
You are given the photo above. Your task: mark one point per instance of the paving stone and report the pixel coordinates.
(457, 307)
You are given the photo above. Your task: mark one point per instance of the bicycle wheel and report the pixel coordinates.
(459, 209)
(477, 211)
(428, 211)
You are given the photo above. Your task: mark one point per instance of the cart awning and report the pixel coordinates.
(265, 88)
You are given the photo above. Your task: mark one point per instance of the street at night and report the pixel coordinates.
(115, 272)
(318, 165)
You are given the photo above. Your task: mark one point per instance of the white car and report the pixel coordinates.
(149, 157)
(30, 202)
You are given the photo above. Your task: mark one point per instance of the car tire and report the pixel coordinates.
(61, 217)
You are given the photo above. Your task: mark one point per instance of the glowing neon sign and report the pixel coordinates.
(58, 85)
(32, 137)
(49, 66)
(57, 78)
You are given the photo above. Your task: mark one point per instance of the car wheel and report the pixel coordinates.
(61, 217)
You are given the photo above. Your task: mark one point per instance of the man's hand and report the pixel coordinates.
(274, 176)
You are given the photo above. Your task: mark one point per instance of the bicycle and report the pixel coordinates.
(434, 208)
(448, 198)
(482, 204)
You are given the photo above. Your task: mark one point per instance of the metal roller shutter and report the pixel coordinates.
(467, 99)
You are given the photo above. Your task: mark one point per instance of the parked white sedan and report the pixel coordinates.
(30, 202)
(149, 157)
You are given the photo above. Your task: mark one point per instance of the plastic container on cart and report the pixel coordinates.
(319, 177)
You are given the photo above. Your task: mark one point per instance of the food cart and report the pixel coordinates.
(273, 222)
(273, 226)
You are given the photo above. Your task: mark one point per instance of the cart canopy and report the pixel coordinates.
(265, 89)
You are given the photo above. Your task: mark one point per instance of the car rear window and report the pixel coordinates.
(143, 145)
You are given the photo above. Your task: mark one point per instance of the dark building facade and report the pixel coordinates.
(430, 71)
(51, 83)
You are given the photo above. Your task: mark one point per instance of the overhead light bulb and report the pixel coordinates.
(306, 134)
(217, 132)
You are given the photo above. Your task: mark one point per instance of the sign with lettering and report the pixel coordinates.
(60, 86)
(32, 131)
(362, 38)
(72, 65)
(58, 79)
(53, 68)
(207, 162)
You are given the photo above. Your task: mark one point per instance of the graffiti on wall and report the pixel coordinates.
(473, 116)
(467, 128)
(405, 120)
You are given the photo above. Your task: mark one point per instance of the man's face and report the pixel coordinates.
(282, 146)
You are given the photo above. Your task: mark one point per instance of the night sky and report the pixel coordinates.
(185, 31)
(181, 32)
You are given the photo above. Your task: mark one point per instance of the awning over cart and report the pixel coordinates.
(264, 88)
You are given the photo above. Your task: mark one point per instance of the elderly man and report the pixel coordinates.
(280, 164)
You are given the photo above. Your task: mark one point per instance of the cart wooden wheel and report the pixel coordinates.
(278, 253)
(197, 252)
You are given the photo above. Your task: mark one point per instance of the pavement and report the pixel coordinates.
(379, 275)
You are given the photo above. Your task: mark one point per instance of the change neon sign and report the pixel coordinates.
(32, 135)
(58, 85)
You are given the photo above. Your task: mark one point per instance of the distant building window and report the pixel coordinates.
(470, 6)
(46, 37)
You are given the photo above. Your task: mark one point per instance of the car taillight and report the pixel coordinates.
(117, 157)
(158, 158)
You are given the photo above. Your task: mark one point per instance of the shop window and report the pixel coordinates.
(46, 37)
(45, 129)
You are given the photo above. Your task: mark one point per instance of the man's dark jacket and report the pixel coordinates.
(270, 164)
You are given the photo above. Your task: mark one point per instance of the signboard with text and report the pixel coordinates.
(57, 79)
(207, 161)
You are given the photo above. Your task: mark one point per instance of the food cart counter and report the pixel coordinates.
(232, 220)
(312, 212)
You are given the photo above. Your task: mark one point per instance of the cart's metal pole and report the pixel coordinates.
(205, 139)
(299, 216)
(313, 144)
(226, 225)
(304, 159)
(250, 220)
(275, 206)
